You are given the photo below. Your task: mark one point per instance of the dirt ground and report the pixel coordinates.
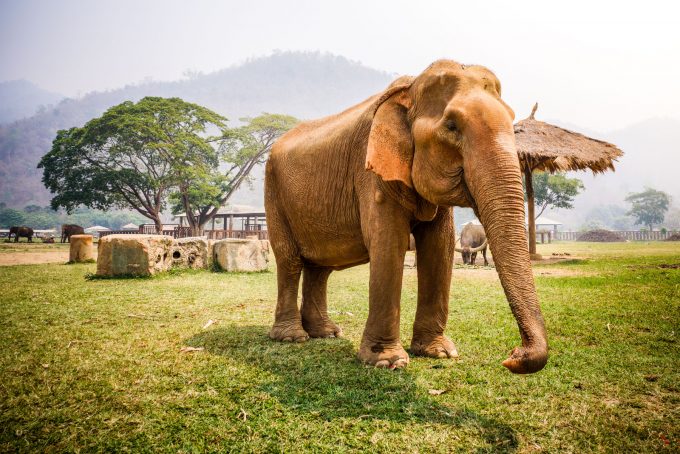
(33, 253)
(489, 272)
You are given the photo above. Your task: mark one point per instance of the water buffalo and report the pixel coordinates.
(70, 229)
(472, 240)
(19, 231)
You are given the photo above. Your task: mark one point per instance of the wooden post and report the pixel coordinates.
(528, 181)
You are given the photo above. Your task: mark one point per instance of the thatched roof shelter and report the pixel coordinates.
(553, 149)
(549, 148)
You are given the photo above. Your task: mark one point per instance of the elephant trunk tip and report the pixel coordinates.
(524, 360)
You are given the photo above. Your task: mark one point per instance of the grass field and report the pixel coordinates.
(97, 365)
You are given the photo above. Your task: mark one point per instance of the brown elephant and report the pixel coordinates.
(348, 189)
(70, 229)
(21, 231)
(472, 241)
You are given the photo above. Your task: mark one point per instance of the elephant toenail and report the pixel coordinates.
(442, 354)
(287, 339)
(398, 364)
(382, 363)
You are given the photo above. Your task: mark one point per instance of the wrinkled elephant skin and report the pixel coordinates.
(350, 188)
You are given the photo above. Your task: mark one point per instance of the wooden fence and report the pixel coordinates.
(147, 229)
(631, 235)
(239, 234)
(184, 232)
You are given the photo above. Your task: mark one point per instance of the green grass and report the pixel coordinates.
(95, 365)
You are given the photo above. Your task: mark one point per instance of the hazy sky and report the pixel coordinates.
(598, 64)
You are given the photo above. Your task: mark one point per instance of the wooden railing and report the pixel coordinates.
(631, 235)
(238, 234)
(176, 232)
(184, 232)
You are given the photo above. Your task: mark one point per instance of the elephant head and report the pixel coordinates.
(467, 251)
(448, 136)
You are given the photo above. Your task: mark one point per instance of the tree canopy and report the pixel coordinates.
(132, 156)
(555, 190)
(202, 191)
(648, 207)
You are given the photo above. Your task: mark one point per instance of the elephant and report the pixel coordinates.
(349, 188)
(70, 229)
(472, 240)
(20, 231)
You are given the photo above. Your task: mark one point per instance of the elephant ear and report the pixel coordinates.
(390, 146)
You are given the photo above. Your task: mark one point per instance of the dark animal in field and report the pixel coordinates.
(472, 240)
(21, 231)
(70, 229)
(349, 189)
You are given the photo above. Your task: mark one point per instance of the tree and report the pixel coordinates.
(203, 190)
(555, 190)
(131, 156)
(648, 207)
(10, 217)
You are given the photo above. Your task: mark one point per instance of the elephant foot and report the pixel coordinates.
(322, 328)
(392, 356)
(437, 347)
(288, 332)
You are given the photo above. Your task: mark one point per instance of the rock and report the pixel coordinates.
(238, 255)
(136, 255)
(192, 252)
(81, 249)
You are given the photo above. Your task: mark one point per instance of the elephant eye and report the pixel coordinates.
(451, 126)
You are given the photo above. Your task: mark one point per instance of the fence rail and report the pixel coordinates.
(183, 232)
(176, 232)
(631, 235)
(238, 234)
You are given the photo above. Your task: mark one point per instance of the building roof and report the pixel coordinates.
(551, 148)
(236, 210)
(97, 228)
(542, 220)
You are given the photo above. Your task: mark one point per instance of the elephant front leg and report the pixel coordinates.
(435, 245)
(380, 343)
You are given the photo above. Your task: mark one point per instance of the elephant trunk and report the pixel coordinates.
(494, 181)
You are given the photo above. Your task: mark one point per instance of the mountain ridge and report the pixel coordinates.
(307, 85)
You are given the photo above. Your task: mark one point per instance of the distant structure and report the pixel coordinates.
(549, 148)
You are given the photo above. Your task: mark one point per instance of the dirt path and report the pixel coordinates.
(33, 258)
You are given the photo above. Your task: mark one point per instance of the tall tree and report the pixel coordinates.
(648, 207)
(131, 156)
(555, 190)
(205, 189)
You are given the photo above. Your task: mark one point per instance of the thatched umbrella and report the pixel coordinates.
(542, 146)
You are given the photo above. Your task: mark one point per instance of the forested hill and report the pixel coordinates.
(306, 85)
(21, 99)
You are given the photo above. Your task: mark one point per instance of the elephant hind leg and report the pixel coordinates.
(314, 309)
(287, 322)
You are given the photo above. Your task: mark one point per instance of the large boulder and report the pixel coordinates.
(193, 252)
(241, 255)
(81, 249)
(134, 255)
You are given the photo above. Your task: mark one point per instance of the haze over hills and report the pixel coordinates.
(311, 85)
(305, 85)
(21, 98)
(651, 159)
